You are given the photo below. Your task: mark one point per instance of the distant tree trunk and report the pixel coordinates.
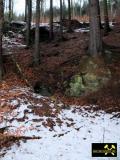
(61, 15)
(25, 10)
(114, 7)
(106, 18)
(98, 4)
(51, 19)
(69, 15)
(72, 9)
(37, 34)
(95, 43)
(64, 7)
(80, 8)
(10, 10)
(1, 34)
(29, 18)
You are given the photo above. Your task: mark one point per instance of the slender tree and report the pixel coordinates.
(10, 10)
(36, 54)
(51, 19)
(63, 9)
(72, 9)
(106, 18)
(95, 43)
(61, 16)
(29, 18)
(114, 7)
(25, 10)
(1, 33)
(99, 14)
(80, 7)
(69, 14)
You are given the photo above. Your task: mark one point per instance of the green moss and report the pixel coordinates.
(93, 75)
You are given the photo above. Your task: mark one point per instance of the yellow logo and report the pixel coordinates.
(110, 150)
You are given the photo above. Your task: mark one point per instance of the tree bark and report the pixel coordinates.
(37, 34)
(95, 43)
(1, 34)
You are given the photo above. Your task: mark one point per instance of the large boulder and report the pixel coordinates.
(17, 26)
(43, 33)
(75, 24)
(93, 75)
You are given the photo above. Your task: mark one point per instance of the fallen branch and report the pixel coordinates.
(25, 137)
(7, 137)
(9, 140)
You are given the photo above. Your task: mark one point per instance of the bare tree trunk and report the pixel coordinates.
(51, 19)
(25, 10)
(29, 18)
(114, 7)
(99, 14)
(69, 15)
(1, 34)
(80, 7)
(37, 34)
(64, 7)
(72, 9)
(106, 18)
(10, 10)
(61, 15)
(95, 43)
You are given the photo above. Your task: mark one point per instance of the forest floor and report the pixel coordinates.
(53, 125)
(59, 62)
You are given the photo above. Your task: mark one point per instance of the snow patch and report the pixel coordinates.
(70, 138)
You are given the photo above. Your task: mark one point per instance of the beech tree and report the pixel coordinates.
(1, 34)
(95, 43)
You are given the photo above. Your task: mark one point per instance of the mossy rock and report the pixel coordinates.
(93, 75)
(76, 86)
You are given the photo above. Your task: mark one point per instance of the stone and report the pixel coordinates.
(93, 75)
(76, 86)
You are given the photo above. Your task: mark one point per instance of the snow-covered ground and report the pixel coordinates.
(67, 135)
(15, 41)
